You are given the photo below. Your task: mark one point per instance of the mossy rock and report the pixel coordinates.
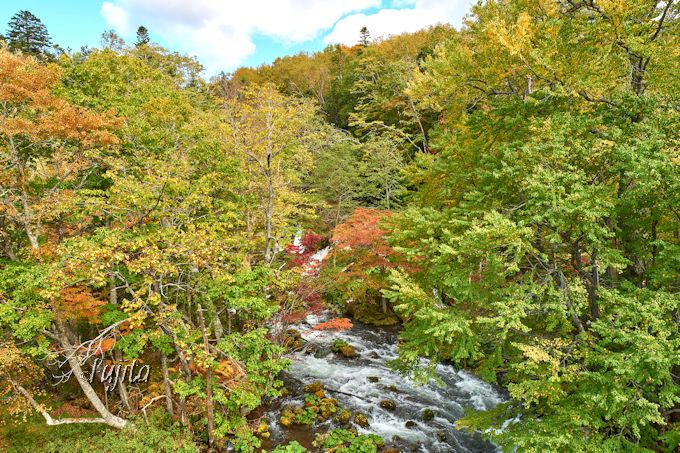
(343, 348)
(293, 333)
(287, 417)
(411, 424)
(427, 414)
(442, 436)
(373, 379)
(314, 387)
(361, 420)
(388, 404)
(293, 340)
(320, 353)
(349, 351)
(343, 417)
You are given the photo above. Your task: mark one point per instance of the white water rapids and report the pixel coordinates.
(359, 384)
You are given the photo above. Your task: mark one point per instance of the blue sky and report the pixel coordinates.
(225, 34)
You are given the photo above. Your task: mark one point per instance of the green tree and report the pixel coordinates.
(27, 34)
(364, 37)
(544, 230)
(142, 36)
(381, 171)
(275, 135)
(336, 178)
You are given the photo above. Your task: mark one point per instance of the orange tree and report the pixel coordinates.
(357, 269)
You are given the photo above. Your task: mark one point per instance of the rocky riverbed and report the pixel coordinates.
(347, 377)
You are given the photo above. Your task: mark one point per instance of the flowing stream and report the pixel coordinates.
(361, 383)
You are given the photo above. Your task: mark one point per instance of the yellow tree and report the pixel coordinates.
(275, 137)
(44, 144)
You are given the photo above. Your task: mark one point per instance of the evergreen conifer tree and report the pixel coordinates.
(142, 36)
(364, 36)
(26, 33)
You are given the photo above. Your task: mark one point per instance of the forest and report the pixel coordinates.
(499, 202)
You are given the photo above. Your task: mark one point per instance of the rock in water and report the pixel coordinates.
(293, 340)
(344, 348)
(361, 420)
(388, 404)
(427, 414)
(343, 417)
(314, 387)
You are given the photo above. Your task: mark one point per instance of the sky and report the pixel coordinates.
(227, 34)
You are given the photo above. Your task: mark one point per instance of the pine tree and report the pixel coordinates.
(364, 36)
(28, 34)
(142, 36)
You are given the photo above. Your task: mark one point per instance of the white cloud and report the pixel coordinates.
(407, 16)
(220, 32)
(115, 16)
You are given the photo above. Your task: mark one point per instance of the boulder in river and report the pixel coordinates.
(361, 420)
(321, 352)
(388, 404)
(441, 435)
(373, 378)
(287, 417)
(411, 424)
(293, 340)
(344, 348)
(313, 387)
(343, 417)
(427, 414)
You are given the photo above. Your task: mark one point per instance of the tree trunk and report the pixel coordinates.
(269, 211)
(74, 363)
(269, 214)
(122, 388)
(26, 217)
(166, 384)
(219, 328)
(594, 285)
(118, 357)
(208, 379)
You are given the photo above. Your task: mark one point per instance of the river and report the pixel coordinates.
(361, 383)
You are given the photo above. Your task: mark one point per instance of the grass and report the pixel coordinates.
(34, 435)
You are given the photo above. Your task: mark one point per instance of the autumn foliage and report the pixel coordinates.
(78, 302)
(362, 254)
(309, 244)
(335, 324)
(362, 237)
(363, 230)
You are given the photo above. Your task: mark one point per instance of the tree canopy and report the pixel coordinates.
(507, 192)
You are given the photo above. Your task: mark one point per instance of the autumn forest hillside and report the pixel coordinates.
(505, 195)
